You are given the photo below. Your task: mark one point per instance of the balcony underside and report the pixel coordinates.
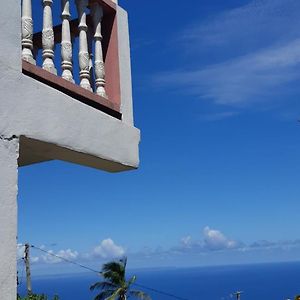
(53, 125)
(34, 151)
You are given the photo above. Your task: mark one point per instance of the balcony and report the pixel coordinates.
(66, 83)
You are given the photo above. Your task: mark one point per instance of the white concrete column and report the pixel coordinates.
(66, 45)
(97, 13)
(48, 38)
(84, 57)
(27, 32)
(9, 152)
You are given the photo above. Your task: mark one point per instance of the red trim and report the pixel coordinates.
(111, 58)
(71, 89)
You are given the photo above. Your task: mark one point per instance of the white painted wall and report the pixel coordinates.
(8, 216)
(52, 125)
(125, 66)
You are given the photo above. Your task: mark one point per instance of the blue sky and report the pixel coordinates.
(216, 96)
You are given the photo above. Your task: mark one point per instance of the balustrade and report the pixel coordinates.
(88, 29)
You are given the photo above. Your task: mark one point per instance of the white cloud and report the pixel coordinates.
(20, 251)
(258, 50)
(216, 240)
(108, 249)
(254, 24)
(218, 116)
(186, 241)
(244, 80)
(283, 245)
(52, 259)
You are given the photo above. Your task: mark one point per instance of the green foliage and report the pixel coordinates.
(115, 286)
(36, 297)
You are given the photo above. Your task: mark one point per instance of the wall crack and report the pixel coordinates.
(8, 138)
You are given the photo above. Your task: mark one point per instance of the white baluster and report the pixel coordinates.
(48, 38)
(84, 56)
(27, 32)
(66, 45)
(90, 37)
(97, 13)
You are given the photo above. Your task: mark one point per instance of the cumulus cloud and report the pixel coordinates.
(20, 251)
(52, 258)
(216, 240)
(213, 240)
(108, 249)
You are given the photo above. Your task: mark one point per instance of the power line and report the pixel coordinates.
(159, 292)
(66, 260)
(98, 272)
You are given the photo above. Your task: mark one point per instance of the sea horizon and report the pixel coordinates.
(278, 280)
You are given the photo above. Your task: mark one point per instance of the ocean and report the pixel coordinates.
(258, 282)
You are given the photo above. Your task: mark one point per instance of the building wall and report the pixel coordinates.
(8, 216)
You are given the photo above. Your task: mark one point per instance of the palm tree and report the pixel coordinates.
(114, 286)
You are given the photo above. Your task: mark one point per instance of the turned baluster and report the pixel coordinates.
(84, 57)
(97, 14)
(27, 32)
(66, 45)
(90, 36)
(48, 38)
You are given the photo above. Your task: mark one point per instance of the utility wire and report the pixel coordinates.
(159, 292)
(98, 272)
(66, 260)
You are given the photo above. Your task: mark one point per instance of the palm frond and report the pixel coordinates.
(139, 295)
(131, 280)
(115, 295)
(113, 277)
(104, 295)
(114, 271)
(113, 266)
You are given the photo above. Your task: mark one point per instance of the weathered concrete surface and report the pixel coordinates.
(8, 216)
(39, 112)
(31, 109)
